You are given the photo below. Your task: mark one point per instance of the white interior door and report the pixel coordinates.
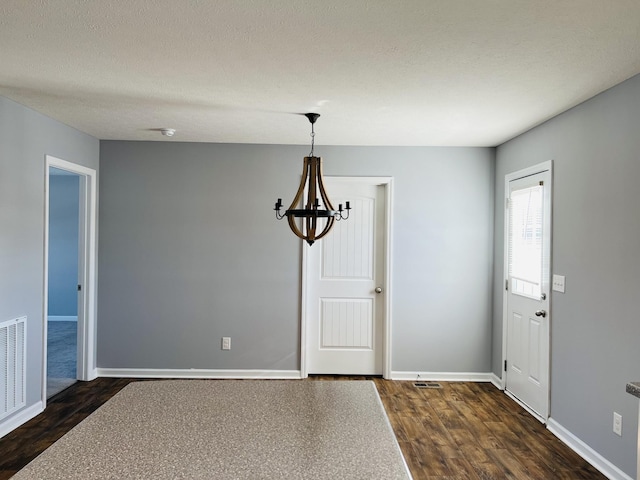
(528, 244)
(345, 286)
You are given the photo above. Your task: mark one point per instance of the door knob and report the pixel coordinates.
(378, 290)
(541, 313)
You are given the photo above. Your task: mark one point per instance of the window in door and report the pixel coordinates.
(525, 241)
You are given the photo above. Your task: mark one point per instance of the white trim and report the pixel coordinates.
(387, 183)
(388, 281)
(585, 451)
(304, 371)
(497, 381)
(88, 268)
(531, 411)
(509, 177)
(443, 376)
(20, 418)
(196, 373)
(62, 318)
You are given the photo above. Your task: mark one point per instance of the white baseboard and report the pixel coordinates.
(442, 376)
(197, 373)
(62, 318)
(497, 381)
(20, 418)
(585, 451)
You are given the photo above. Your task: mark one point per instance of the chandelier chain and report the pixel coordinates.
(313, 140)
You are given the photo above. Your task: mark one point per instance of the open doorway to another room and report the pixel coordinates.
(71, 269)
(62, 319)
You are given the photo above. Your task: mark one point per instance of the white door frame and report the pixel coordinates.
(87, 269)
(526, 172)
(387, 183)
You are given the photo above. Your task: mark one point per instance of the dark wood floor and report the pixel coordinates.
(474, 431)
(459, 431)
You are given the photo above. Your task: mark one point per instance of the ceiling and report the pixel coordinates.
(380, 72)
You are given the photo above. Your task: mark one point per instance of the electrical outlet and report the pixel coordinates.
(226, 343)
(617, 423)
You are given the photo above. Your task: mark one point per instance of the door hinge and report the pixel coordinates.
(506, 284)
(79, 288)
(505, 365)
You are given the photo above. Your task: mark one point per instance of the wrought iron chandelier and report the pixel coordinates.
(317, 214)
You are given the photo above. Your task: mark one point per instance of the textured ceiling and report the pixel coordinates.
(380, 72)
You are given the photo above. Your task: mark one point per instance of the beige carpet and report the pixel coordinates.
(230, 429)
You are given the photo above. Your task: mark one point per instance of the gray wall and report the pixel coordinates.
(25, 138)
(595, 325)
(64, 193)
(190, 251)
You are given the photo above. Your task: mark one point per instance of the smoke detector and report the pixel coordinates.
(167, 132)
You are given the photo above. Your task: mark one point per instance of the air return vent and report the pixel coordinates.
(427, 385)
(12, 365)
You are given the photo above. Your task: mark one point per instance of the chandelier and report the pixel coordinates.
(317, 214)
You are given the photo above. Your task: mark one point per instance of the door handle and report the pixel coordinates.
(378, 290)
(541, 313)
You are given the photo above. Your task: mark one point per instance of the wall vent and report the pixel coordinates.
(427, 385)
(12, 365)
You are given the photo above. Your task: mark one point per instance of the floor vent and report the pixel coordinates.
(427, 385)
(12, 365)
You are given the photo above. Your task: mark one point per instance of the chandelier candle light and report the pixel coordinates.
(317, 205)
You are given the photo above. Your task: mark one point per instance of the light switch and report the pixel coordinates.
(558, 283)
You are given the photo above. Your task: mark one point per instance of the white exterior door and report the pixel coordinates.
(344, 286)
(528, 224)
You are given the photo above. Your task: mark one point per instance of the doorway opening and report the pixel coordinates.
(63, 274)
(70, 275)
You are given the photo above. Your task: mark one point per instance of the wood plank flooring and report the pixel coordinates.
(474, 431)
(460, 431)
